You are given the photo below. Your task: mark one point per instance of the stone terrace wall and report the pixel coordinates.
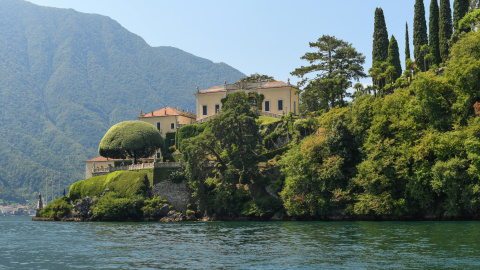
(177, 194)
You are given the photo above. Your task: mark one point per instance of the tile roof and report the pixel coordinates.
(167, 111)
(246, 86)
(162, 112)
(100, 159)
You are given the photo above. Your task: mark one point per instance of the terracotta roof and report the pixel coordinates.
(100, 159)
(162, 112)
(247, 86)
(167, 111)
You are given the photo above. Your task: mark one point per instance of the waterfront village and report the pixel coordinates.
(16, 210)
(279, 98)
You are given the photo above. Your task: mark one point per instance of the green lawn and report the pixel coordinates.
(263, 120)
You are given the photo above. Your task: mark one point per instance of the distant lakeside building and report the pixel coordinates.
(20, 210)
(279, 98)
(273, 98)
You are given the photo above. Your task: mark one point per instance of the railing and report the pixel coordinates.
(138, 167)
(268, 114)
(106, 170)
(203, 120)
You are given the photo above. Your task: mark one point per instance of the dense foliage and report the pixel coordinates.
(412, 153)
(336, 64)
(380, 38)
(222, 163)
(258, 77)
(125, 183)
(407, 43)
(445, 28)
(460, 9)
(433, 37)
(67, 77)
(393, 58)
(134, 139)
(420, 36)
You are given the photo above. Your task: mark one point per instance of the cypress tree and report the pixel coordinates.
(460, 8)
(394, 57)
(407, 43)
(380, 38)
(420, 36)
(433, 33)
(445, 26)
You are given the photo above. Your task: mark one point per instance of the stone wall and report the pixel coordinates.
(177, 194)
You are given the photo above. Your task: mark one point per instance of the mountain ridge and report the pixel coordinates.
(67, 76)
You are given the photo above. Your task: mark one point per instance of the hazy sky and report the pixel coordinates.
(267, 37)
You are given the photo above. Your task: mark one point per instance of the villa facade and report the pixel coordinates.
(98, 162)
(167, 121)
(280, 98)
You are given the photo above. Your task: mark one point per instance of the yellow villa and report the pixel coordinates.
(167, 121)
(279, 97)
(98, 162)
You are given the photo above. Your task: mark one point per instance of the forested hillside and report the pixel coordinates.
(65, 77)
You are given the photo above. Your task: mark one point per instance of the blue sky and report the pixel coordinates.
(267, 37)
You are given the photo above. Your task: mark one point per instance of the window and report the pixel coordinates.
(267, 105)
(159, 155)
(172, 125)
(159, 126)
(204, 109)
(280, 104)
(217, 108)
(294, 107)
(253, 101)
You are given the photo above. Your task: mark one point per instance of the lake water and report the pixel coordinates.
(25, 244)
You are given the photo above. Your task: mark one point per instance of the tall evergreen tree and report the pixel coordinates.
(460, 8)
(445, 27)
(407, 43)
(433, 38)
(380, 38)
(394, 58)
(420, 36)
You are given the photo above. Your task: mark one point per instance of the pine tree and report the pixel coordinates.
(460, 8)
(433, 34)
(394, 58)
(445, 26)
(420, 36)
(380, 38)
(407, 43)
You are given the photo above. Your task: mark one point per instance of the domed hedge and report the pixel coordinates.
(133, 139)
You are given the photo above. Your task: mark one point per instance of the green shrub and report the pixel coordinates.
(177, 176)
(57, 209)
(188, 131)
(274, 153)
(171, 207)
(262, 207)
(113, 207)
(190, 213)
(89, 187)
(125, 183)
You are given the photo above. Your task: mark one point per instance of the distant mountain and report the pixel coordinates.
(66, 77)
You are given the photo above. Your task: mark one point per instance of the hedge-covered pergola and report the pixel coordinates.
(134, 139)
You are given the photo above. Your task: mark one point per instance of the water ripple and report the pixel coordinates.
(239, 245)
